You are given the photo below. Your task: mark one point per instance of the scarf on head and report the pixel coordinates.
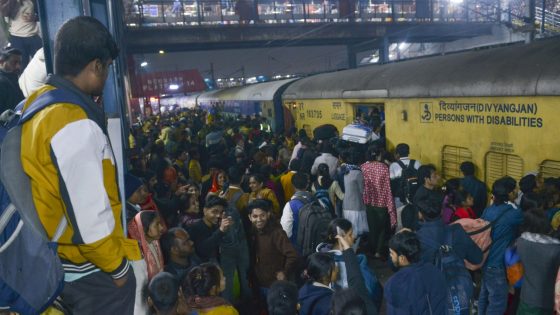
(153, 256)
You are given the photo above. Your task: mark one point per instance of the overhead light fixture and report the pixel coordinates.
(173, 87)
(144, 64)
(161, 52)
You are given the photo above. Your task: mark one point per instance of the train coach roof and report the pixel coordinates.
(254, 92)
(517, 70)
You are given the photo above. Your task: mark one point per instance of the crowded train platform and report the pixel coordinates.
(201, 211)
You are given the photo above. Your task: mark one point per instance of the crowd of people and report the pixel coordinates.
(216, 206)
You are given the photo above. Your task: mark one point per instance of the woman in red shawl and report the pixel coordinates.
(146, 228)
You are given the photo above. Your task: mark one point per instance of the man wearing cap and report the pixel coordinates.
(10, 67)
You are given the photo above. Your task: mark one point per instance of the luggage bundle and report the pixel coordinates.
(357, 133)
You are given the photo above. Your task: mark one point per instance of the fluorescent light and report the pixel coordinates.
(144, 64)
(173, 87)
(403, 46)
(162, 52)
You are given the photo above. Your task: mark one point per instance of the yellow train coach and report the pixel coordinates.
(498, 107)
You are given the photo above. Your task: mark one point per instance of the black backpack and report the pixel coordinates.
(459, 282)
(405, 187)
(313, 222)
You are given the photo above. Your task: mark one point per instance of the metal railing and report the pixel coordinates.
(154, 13)
(551, 20)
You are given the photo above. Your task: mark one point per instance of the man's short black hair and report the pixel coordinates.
(502, 188)
(430, 209)
(163, 290)
(528, 183)
(295, 165)
(402, 149)
(300, 181)
(407, 244)
(5, 54)
(263, 204)
(467, 168)
(425, 171)
(167, 241)
(235, 175)
(80, 41)
(213, 201)
(282, 298)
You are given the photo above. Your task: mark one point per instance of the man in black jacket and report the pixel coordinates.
(10, 68)
(207, 233)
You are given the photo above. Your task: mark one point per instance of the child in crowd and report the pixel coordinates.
(282, 299)
(203, 287)
(316, 295)
(462, 202)
(339, 238)
(191, 211)
(164, 296)
(147, 229)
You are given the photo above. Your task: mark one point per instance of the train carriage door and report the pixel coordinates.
(371, 114)
(499, 165)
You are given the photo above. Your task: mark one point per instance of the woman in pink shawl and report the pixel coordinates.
(147, 229)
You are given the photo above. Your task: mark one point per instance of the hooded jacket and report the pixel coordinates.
(416, 289)
(315, 300)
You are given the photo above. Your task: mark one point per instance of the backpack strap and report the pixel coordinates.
(411, 164)
(12, 174)
(401, 164)
(489, 225)
(46, 99)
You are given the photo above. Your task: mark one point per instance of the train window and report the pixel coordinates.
(451, 159)
(550, 168)
(500, 164)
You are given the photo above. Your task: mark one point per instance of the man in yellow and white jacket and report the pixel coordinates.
(68, 157)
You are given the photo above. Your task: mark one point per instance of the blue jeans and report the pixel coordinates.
(494, 292)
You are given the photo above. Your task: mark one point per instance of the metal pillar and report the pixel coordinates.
(352, 59)
(384, 50)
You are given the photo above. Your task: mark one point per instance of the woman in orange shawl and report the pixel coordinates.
(146, 228)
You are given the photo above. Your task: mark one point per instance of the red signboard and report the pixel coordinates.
(171, 82)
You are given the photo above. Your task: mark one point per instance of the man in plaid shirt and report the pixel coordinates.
(380, 206)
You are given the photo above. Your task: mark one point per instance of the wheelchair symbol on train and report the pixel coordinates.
(426, 112)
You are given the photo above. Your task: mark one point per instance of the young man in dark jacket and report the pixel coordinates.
(433, 234)
(474, 186)
(274, 257)
(417, 287)
(494, 291)
(208, 233)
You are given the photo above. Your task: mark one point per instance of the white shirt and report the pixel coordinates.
(395, 170)
(296, 150)
(287, 220)
(327, 158)
(20, 26)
